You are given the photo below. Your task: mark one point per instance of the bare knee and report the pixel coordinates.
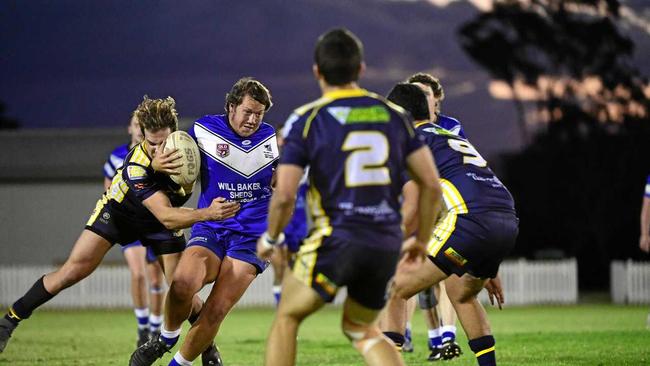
(362, 336)
(184, 287)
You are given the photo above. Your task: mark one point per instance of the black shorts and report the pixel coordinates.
(117, 228)
(473, 243)
(326, 263)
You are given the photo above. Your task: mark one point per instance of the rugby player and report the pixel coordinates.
(238, 156)
(357, 147)
(140, 204)
(139, 259)
(644, 239)
(471, 238)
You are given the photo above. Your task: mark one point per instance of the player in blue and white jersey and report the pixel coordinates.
(470, 239)
(357, 147)
(141, 261)
(294, 233)
(140, 204)
(238, 156)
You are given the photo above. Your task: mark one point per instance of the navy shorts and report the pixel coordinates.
(473, 243)
(326, 263)
(225, 242)
(117, 228)
(293, 242)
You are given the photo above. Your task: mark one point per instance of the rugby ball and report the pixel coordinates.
(190, 158)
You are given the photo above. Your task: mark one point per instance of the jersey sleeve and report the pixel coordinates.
(294, 150)
(109, 169)
(140, 183)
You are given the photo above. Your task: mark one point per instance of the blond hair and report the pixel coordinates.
(157, 114)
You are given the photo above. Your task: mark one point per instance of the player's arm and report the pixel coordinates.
(425, 175)
(410, 198)
(174, 218)
(281, 206)
(644, 240)
(107, 183)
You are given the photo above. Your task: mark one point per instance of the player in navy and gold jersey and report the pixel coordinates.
(471, 238)
(143, 264)
(140, 204)
(357, 147)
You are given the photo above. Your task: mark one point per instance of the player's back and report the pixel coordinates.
(468, 184)
(355, 144)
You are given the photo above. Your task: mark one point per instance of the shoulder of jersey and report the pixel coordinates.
(318, 103)
(138, 156)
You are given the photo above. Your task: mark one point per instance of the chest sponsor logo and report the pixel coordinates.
(223, 150)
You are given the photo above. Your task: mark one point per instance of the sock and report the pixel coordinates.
(397, 338)
(435, 339)
(142, 314)
(178, 360)
(170, 337)
(483, 348)
(23, 308)
(155, 321)
(407, 332)
(277, 292)
(448, 333)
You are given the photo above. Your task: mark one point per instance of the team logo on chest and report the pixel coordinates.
(223, 150)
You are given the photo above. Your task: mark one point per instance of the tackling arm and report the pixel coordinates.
(174, 218)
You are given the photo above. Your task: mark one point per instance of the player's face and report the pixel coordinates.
(135, 131)
(432, 101)
(155, 138)
(246, 118)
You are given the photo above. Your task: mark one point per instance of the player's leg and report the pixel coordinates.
(87, 253)
(232, 281)
(428, 301)
(411, 304)
(298, 301)
(135, 259)
(279, 263)
(451, 349)
(462, 292)
(360, 327)
(156, 293)
(196, 267)
(408, 281)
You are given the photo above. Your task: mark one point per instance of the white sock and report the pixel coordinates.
(170, 334)
(154, 322)
(182, 361)
(277, 289)
(448, 329)
(434, 333)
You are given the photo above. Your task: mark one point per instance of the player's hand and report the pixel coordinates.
(413, 251)
(220, 209)
(266, 248)
(165, 162)
(495, 291)
(644, 243)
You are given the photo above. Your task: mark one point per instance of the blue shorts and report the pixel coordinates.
(293, 242)
(225, 242)
(151, 257)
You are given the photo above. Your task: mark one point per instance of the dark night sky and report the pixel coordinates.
(73, 63)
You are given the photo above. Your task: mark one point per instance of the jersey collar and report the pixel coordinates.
(346, 93)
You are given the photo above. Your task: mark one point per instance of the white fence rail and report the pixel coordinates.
(630, 282)
(524, 282)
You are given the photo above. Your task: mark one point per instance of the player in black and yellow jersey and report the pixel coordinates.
(140, 204)
(474, 234)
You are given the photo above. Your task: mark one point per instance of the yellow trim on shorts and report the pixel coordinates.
(441, 233)
(481, 353)
(98, 208)
(303, 268)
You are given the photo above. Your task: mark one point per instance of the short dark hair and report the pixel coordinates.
(157, 114)
(411, 98)
(251, 87)
(430, 80)
(338, 55)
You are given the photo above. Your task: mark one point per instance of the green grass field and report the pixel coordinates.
(578, 335)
